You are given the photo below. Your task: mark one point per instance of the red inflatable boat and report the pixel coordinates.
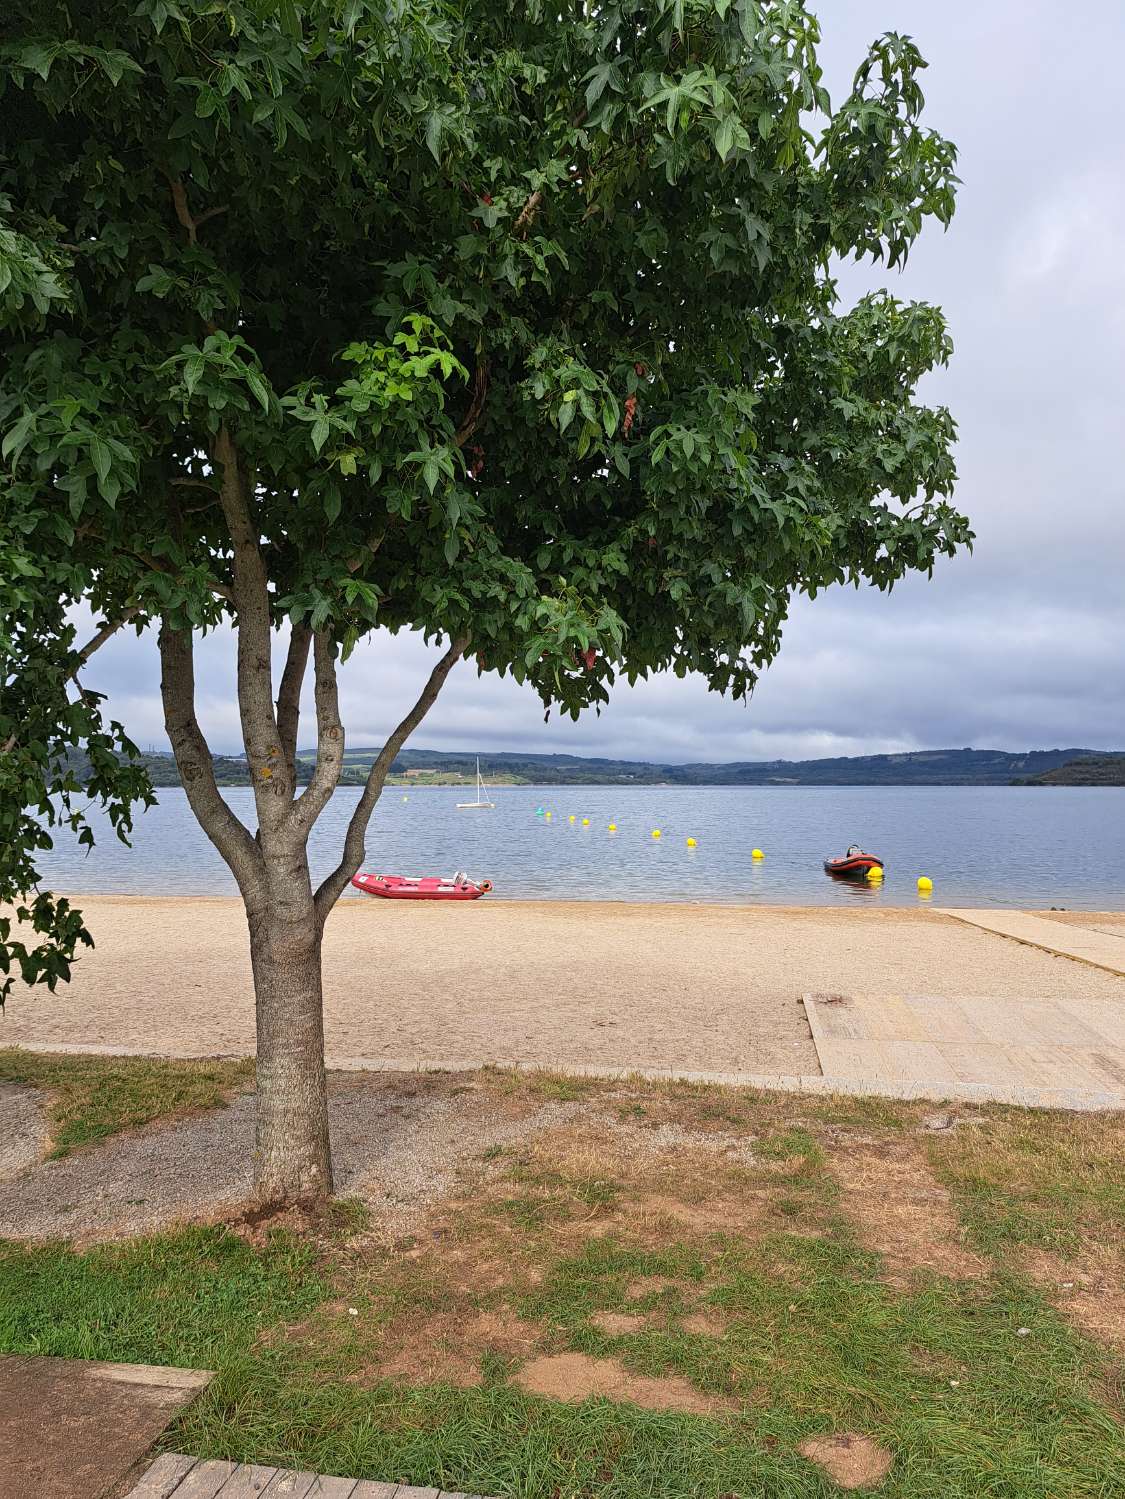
(428, 887)
(854, 865)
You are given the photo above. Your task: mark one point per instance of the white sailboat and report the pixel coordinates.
(481, 792)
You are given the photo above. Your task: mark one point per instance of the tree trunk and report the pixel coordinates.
(292, 1160)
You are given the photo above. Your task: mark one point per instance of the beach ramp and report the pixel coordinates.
(1058, 1053)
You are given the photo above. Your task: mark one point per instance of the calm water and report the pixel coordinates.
(1002, 846)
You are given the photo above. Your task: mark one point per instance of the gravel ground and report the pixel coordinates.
(707, 988)
(398, 1142)
(23, 1129)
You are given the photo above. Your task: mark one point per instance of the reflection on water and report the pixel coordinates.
(1005, 846)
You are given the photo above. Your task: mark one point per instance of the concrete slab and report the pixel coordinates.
(1097, 946)
(73, 1430)
(1049, 1054)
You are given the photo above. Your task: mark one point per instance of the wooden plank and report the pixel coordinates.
(408, 1491)
(162, 1479)
(329, 1488)
(367, 1488)
(205, 1480)
(248, 1481)
(288, 1483)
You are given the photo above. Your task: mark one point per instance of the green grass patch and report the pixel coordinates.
(814, 1342)
(197, 1298)
(93, 1097)
(1046, 1181)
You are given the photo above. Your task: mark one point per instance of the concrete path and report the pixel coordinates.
(1047, 1054)
(174, 1476)
(75, 1430)
(1087, 944)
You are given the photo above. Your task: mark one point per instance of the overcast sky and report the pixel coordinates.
(1019, 645)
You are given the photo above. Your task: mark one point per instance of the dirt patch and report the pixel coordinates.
(574, 1376)
(448, 1346)
(647, 1285)
(617, 1324)
(705, 1324)
(852, 1461)
(903, 1212)
(1088, 1290)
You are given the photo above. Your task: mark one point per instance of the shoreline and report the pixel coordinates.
(678, 988)
(918, 909)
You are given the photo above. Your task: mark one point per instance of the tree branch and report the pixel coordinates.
(329, 736)
(476, 405)
(527, 213)
(289, 697)
(252, 611)
(107, 630)
(183, 212)
(197, 771)
(354, 842)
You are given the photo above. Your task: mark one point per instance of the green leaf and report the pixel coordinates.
(320, 430)
(258, 387)
(101, 458)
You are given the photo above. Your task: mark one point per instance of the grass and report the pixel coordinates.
(94, 1097)
(732, 1266)
(197, 1298)
(1052, 1181)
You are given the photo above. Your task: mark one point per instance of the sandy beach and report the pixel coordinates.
(708, 988)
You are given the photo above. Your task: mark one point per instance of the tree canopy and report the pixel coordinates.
(518, 323)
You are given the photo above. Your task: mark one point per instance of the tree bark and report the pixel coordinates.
(292, 1156)
(292, 1160)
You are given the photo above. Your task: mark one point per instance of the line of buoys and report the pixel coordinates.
(875, 874)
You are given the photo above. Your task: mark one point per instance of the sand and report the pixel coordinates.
(708, 988)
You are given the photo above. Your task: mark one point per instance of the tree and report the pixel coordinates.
(514, 325)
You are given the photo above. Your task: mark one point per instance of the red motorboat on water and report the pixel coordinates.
(855, 864)
(426, 887)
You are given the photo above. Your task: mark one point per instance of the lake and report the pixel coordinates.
(981, 846)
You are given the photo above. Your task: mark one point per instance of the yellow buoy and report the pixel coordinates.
(547, 816)
(656, 832)
(924, 882)
(613, 827)
(875, 874)
(585, 822)
(757, 854)
(571, 817)
(691, 843)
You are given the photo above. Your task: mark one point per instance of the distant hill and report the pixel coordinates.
(1087, 770)
(949, 767)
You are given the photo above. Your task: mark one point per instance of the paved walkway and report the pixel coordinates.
(175, 1476)
(1087, 944)
(1062, 1053)
(74, 1430)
